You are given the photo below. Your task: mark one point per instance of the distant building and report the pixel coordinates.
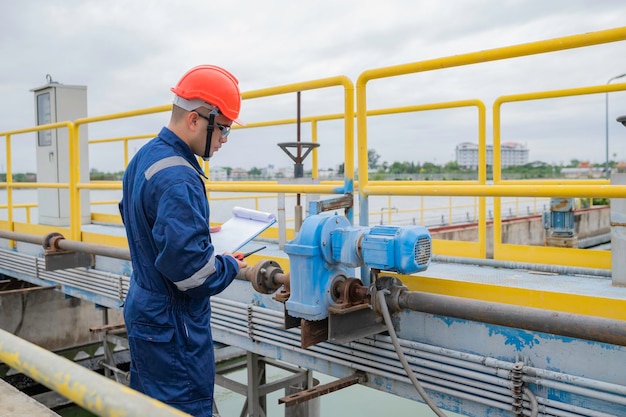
(512, 154)
(269, 171)
(238, 174)
(219, 174)
(583, 170)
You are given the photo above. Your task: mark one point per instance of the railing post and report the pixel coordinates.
(618, 233)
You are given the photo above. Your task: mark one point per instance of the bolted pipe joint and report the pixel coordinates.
(266, 276)
(51, 241)
(348, 293)
(393, 288)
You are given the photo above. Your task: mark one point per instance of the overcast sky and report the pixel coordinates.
(129, 54)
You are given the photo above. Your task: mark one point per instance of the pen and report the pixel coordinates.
(241, 256)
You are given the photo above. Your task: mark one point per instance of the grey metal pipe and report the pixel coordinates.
(21, 237)
(612, 393)
(389, 368)
(562, 409)
(88, 389)
(552, 322)
(596, 394)
(422, 359)
(556, 269)
(540, 375)
(320, 352)
(501, 368)
(456, 359)
(384, 353)
(438, 355)
(352, 355)
(102, 250)
(70, 245)
(504, 404)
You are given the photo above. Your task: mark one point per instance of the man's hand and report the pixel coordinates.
(214, 229)
(239, 258)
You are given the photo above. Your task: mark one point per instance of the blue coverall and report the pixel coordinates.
(175, 270)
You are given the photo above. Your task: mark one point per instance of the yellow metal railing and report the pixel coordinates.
(26, 206)
(75, 187)
(73, 385)
(116, 218)
(547, 255)
(125, 140)
(10, 186)
(480, 188)
(366, 187)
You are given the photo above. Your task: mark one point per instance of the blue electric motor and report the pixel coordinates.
(560, 224)
(328, 248)
(560, 219)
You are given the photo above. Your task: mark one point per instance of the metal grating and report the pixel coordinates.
(99, 286)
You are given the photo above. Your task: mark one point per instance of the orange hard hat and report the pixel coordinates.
(214, 86)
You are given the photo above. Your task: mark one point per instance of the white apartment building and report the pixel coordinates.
(512, 154)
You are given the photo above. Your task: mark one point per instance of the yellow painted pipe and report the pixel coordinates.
(499, 190)
(88, 389)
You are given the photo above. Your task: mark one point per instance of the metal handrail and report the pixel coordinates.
(90, 390)
(367, 188)
(480, 189)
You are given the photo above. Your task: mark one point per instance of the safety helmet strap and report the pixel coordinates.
(209, 133)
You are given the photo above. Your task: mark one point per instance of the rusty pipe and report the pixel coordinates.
(266, 276)
(552, 322)
(350, 291)
(56, 241)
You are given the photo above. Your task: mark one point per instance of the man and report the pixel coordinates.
(175, 268)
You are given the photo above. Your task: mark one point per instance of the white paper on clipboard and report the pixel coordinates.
(241, 228)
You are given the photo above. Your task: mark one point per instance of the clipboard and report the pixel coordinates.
(244, 225)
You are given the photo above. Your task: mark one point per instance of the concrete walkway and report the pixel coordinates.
(14, 403)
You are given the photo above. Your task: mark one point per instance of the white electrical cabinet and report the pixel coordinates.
(54, 103)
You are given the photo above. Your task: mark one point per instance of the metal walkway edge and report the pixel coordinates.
(14, 403)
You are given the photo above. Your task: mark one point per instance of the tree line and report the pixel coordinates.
(535, 169)
(382, 170)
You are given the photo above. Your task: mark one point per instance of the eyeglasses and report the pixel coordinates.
(224, 129)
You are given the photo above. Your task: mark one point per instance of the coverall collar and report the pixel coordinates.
(182, 148)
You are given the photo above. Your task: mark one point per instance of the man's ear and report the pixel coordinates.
(193, 120)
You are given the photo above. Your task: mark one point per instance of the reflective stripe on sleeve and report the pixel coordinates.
(160, 165)
(198, 278)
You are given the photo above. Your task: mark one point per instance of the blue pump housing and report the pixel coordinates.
(560, 219)
(312, 268)
(329, 247)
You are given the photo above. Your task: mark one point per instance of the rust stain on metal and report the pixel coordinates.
(27, 290)
(309, 394)
(313, 332)
(562, 204)
(339, 203)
